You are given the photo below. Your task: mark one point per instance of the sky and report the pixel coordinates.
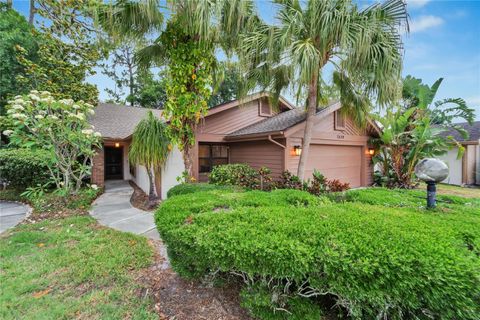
(444, 41)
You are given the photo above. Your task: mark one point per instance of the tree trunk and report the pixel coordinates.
(307, 136)
(188, 160)
(151, 193)
(33, 10)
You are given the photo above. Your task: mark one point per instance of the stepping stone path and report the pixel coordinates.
(113, 209)
(11, 213)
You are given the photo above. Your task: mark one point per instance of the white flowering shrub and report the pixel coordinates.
(59, 127)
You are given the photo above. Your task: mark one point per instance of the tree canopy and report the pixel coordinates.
(14, 31)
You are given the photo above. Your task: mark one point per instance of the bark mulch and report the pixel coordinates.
(179, 299)
(139, 198)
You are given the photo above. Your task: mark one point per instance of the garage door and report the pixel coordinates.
(336, 162)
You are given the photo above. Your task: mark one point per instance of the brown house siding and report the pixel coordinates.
(232, 119)
(98, 168)
(339, 154)
(259, 154)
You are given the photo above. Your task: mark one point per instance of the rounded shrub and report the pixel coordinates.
(238, 174)
(292, 248)
(23, 168)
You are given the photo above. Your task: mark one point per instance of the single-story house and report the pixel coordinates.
(249, 131)
(464, 171)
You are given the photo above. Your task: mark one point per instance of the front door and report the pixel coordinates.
(113, 163)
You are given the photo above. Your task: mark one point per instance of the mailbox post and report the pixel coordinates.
(431, 171)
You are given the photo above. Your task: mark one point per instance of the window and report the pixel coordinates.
(339, 121)
(264, 108)
(210, 155)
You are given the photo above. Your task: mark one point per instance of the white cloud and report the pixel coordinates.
(425, 22)
(417, 3)
(473, 101)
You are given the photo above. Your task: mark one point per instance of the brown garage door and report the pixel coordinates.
(336, 162)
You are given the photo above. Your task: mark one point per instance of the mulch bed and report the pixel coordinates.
(180, 299)
(139, 198)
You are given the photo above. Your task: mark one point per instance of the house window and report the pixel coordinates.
(339, 120)
(264, 108)
(210, 155)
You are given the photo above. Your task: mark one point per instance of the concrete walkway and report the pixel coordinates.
(11, 213)
(113, 209)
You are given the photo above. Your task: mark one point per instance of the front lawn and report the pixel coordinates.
(72, 268)
(448, 189)
(372, 253)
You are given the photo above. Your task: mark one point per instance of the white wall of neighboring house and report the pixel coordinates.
(172, 169)
(454, 165)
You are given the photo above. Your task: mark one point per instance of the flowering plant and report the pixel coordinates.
(59, 126)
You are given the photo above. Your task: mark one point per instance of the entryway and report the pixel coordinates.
(113, 163)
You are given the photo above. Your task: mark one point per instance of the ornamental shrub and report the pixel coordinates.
(293, 249)
(60, 127)
(23, 168)
(238, 174)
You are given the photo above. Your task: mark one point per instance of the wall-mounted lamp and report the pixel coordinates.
(297, 150)
(371, 151)
(117, 145)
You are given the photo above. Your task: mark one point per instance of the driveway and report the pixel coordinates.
(11, 213)
(113, 209)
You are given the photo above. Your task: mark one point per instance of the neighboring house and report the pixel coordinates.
(249, 131)
(464, 171)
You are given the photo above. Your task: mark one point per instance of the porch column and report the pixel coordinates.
(98, 168)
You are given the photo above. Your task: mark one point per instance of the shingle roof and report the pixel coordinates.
(473, 130)
(279, 122)
(115, 121)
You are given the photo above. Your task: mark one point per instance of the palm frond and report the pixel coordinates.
(130, 19)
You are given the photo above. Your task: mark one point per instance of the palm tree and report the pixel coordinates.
(363, 47)
(150, 148)
(202, 25)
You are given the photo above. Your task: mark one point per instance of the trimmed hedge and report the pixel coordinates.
(186, 188)
(24, 168)
(373, 260)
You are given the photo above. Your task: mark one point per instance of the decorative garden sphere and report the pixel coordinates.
(431, 170)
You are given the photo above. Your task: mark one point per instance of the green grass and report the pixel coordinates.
(72, 268)
(448, 189)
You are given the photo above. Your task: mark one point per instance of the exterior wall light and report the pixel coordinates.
(117, 145)
(371, 151)
(297, 150)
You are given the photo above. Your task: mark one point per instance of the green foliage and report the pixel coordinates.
(59, 127)
(151, 91)
(24, 168)
(374, 260)
(45, 201)
(70, 268)
(227, 84)
(150, 147)
(238, 174)
(414, 131)
(67, 53)
(14, 31)
(186, 188)
(189, 82)
(267, 305)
